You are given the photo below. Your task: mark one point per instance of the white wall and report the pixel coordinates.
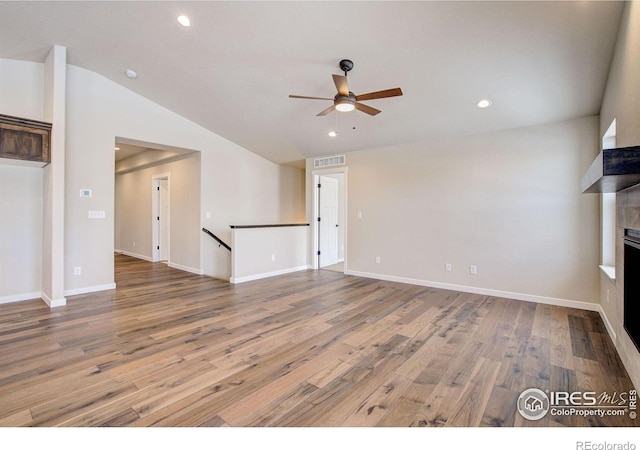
(507, 202)
(22, 89)
(268, 251)
(21, 95)
(622, 102)
(133, 212)
(20, 232)
(236, 186)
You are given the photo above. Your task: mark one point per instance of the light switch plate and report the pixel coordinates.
(97, 214)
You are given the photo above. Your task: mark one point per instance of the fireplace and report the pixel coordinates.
(632, 285)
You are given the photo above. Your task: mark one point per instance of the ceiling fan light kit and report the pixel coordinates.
(345, 104)
(345, 100)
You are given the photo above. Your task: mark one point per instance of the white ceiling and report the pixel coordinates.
(232, 71)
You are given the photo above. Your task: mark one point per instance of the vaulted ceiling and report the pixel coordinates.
(233, 69)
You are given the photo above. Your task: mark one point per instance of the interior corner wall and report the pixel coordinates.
(54, 173)
(133, 212)
(21, 95)
(622, 102)
(242, 188)
(506, 202)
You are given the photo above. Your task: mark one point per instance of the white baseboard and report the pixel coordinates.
(607, 324)
(53, 303)
(90, 289)
(170, 264)
(482, 291)
(259, 276)
(134, 255)
(186, 268)
(20, 297)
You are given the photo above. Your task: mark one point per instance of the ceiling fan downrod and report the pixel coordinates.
(346, 65)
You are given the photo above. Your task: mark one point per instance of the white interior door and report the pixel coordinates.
(163, 221)
(328, 221)
(160, 205)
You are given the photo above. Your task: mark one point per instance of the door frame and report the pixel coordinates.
(155, 207)
(315, 229)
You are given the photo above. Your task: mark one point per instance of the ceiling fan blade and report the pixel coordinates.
(367, 109)
(395, 92)
(326, 111)
(341, 85)
(309, 98)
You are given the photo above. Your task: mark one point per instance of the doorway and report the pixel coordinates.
(161, 213)
(330, 226)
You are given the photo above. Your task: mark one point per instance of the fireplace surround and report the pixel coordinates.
(631, 317)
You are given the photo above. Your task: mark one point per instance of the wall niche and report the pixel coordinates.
(25, 140)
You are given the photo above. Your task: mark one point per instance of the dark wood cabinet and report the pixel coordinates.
(25, 139)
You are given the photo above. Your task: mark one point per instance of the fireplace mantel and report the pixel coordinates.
(613, 170)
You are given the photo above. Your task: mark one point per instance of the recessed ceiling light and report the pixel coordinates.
(333, 133)
(484, 103)
(184, 21)
(131, 74)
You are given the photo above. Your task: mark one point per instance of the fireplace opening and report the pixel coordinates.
(631, 319)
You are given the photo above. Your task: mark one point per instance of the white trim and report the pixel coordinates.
(609, 271)
(607, 325)
(90, 289)
(483, 291)
(52, 303)
(134, 255)
(20, 297)
(170, 264)
(259, 276)
(186, 268)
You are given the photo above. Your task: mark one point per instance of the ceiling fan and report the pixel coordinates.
(345, 100)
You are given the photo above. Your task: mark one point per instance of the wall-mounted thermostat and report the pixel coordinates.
(85, 193)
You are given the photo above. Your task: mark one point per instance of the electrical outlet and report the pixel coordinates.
(377, 260)
(447, 267)
(134, 243)
(359, 214)
(273, 258)
(473, 270)
(77, 270)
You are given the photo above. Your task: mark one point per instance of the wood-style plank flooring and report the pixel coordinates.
(314, 348)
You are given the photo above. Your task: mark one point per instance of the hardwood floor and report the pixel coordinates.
(314, 348)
